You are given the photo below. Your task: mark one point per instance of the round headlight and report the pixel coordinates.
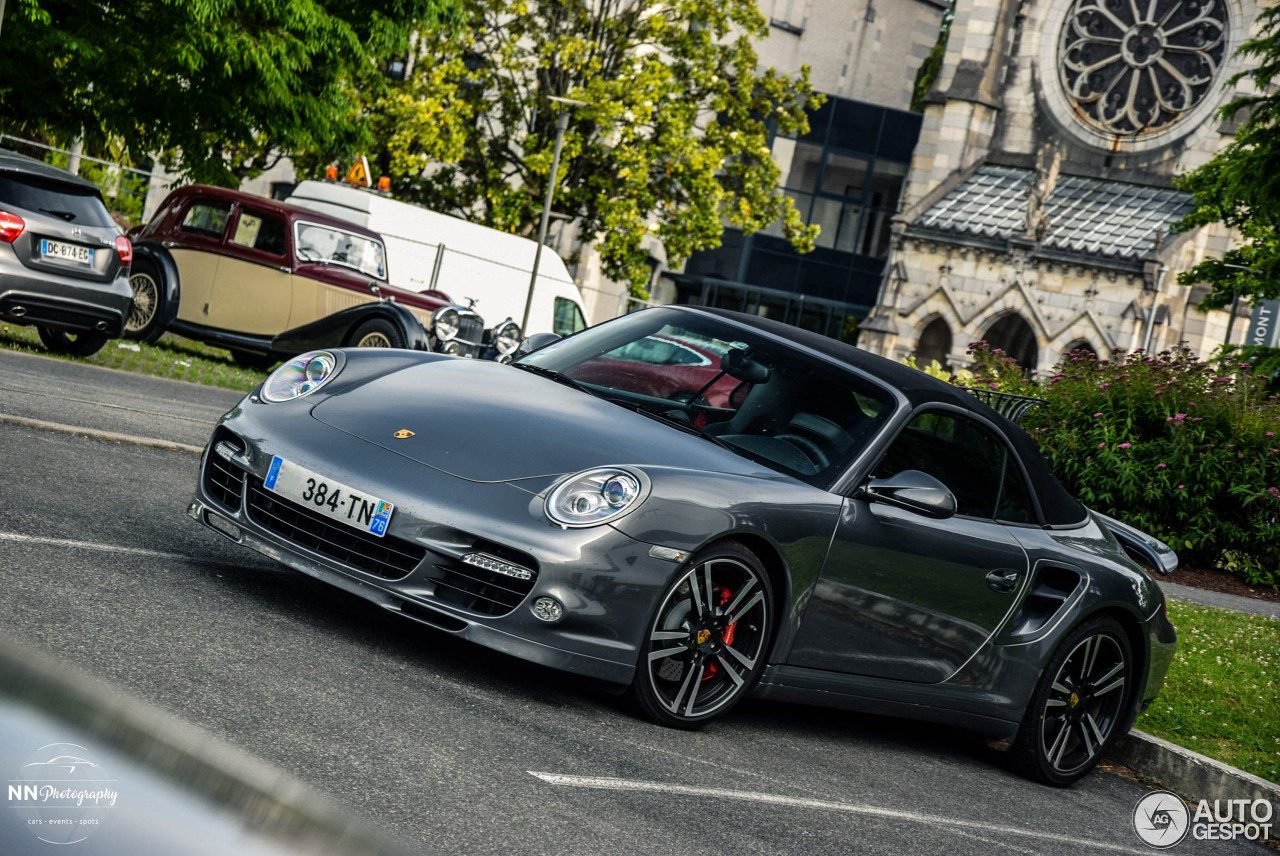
(300, 376)
(506, 338)
(446, 323)
(593, 497)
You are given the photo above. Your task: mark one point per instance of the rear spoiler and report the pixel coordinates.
(1150, 553)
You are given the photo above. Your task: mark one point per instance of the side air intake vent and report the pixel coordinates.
(1052, 588)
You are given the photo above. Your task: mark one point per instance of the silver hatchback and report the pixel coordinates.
(64, 266)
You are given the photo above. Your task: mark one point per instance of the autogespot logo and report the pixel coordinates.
(61, 793)
(1162, 819)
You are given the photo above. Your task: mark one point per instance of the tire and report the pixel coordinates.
(1078, 705)
(376, 333)
(250, 360)
(701, 655)
(143, 323)
(85, 343)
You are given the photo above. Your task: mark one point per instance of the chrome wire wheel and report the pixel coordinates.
(146, 300)
(707, 642)
(376, 339)
(1079, 704)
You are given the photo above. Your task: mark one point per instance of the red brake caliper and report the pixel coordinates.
(723, 594)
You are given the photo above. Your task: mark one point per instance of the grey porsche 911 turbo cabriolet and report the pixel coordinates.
(699, 506)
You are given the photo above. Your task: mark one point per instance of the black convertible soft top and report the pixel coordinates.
(1057, 505)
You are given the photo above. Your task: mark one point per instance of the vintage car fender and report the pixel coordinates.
(170, 281)
(334, 331)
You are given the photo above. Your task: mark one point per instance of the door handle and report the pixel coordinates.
(1002, 580)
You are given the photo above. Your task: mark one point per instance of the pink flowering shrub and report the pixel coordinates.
(1181, 448)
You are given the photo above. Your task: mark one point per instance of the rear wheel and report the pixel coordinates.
(143, 322)
(376, 333)
(1079, 703)
(706, 645)
(84, 343)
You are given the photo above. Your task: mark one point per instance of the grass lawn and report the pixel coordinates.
(1221, 695)
(171, 356)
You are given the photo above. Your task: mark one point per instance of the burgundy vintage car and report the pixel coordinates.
(268, 280)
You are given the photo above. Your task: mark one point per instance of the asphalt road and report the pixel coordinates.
(437, 742)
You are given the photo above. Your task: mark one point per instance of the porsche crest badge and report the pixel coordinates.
(403, 434)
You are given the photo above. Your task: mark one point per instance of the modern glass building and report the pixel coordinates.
(846, 175)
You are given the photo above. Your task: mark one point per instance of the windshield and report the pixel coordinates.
(327, 245)
(791, 411)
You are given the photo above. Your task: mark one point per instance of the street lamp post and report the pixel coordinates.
(1235, 302)
(562, 124)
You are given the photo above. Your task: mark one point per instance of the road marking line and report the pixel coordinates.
(104, 404)
(603, 783)
(89, 545)
(147, 442)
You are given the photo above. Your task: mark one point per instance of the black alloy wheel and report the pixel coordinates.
(84, 343)
(707, 642)
(143, 323)
(376, 333)
(1079, 703)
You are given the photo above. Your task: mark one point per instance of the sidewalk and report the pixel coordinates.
(1234, 602)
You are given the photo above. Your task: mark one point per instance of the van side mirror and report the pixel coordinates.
(914, 491)
(535, 342)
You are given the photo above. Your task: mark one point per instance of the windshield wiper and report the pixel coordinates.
(65, 215)
(552, 374)
(682, 424)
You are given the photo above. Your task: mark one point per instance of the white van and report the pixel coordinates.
(428, 250)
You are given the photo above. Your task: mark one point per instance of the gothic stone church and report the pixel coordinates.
(1038, 205)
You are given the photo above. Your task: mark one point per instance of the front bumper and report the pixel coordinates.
(48, 299)
(606, 582)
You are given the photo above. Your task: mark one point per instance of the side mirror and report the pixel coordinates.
(914, 491)
(535, 342)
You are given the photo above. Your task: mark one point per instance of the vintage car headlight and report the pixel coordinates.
(302, 375)
(593, 497)
(446, 323)
(506, 337)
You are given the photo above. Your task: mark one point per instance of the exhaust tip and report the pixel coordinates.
(101, 326)
(18, 311)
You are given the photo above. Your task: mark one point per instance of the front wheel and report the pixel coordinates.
(1078, 705)
(376, 333)
(143, 323)
(85, 343)
(706, 644)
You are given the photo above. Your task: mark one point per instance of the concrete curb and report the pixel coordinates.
(1189, 774)
(146, 442)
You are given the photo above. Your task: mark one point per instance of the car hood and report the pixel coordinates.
(486, 422)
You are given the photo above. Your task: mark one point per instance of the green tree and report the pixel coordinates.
(223, 87)
(1240, 187)
(673, 141)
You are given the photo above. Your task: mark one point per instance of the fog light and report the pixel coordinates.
(547, 609)
(451, 348)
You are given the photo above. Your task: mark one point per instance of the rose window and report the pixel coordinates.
(1133, 67)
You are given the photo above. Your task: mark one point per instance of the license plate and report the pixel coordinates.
(333, 499)
(66, 252)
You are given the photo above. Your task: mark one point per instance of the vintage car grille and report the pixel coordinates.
(470, 328)
(223, 480)
(389, 557)
(480, 590)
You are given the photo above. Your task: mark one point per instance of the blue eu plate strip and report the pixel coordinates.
(274, 473)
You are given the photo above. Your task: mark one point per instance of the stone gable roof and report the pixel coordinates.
(1099, 219)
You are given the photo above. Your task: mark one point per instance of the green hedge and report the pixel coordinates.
(1184, 449)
